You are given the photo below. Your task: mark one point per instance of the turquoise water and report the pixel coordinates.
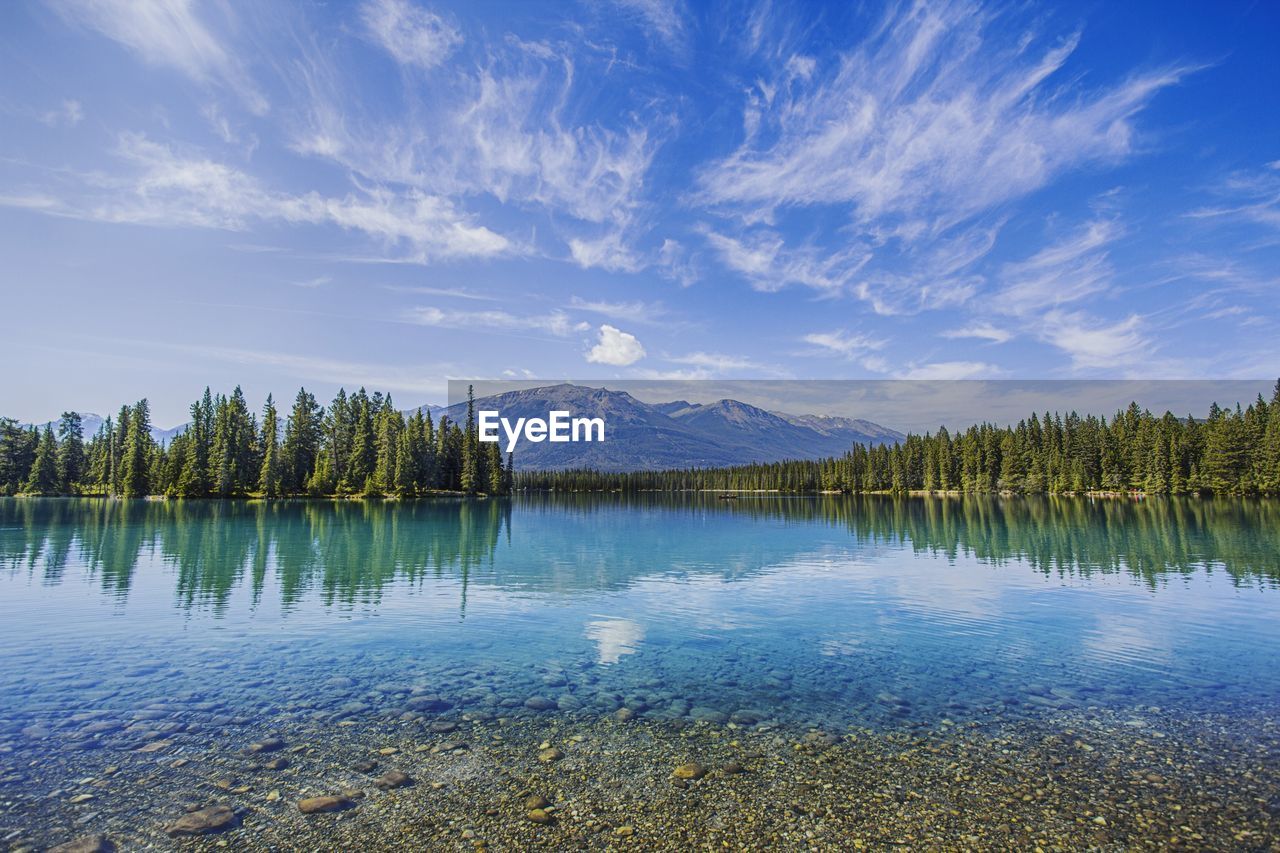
(823, 611)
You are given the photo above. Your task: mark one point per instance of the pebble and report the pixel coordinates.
(155, 746)
(692, 770)
(270, 744)
(87, 844)
(539, 816)
(202, 821)
(550, 754)
(536, 801)
(393, 779)
(331, 803)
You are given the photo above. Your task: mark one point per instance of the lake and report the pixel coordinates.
(589, 671)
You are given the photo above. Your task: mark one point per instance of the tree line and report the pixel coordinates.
(361, 445)
(1229, 452)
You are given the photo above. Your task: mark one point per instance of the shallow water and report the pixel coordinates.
(892, 615)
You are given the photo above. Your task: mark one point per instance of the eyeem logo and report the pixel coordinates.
(557, 427)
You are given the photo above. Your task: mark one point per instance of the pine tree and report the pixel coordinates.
(1268, 467)
(269, 473)
(135, 462)
(303, 434)
(194, 480)
(43, 479)
(426, 449)
(390, 424)
(117, 449)
(405, 481)
(360, 463)
(231, 463)
(1225, 469)
(493, 468)
(71, 455)
(470, 475)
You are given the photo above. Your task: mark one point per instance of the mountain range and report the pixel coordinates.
(679, 434)
(640, 436)
(90, 423)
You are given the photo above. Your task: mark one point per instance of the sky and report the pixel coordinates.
(396, 193)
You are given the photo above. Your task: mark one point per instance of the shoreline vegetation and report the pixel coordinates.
(1230, 452)
(362, 447)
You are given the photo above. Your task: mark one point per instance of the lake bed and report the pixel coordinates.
(929, 672)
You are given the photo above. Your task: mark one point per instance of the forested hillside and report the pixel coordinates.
(1230, 451)
(359, 445)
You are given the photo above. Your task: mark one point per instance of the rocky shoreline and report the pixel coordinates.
(1095, 778)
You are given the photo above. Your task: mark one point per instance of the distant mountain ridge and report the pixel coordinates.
(90, 423)
(678, 434)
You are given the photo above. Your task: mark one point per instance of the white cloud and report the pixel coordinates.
(933, 118)
(166, 33)
(918, 137)
(982, 331)
(167, 188)
(313, 283)
(505, 130)
(556, 322)
(412, 35)
(608, 253)
(615, 347)
(675, 263)
(712, 365)
(951, 370)
(1063, 272)
(763, 258)
(509, 128)
(633, 312)
(415, 378)
(843, 343)
(454, 292)
(1093, 345)
(1248, 197)
(69, 114)
(662, 17)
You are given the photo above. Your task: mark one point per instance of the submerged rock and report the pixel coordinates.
(692, 770)
(550, 754)
(202, 821)
(427, 702)
(709, 715)
(539, 703)
(393, 779)
(270, 744)
(87, 844)
(332, 803)
(539, 816)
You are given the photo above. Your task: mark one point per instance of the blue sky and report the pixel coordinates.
(394, 193)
